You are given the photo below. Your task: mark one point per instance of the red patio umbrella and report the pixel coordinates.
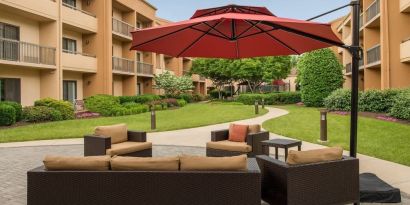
(235, 32)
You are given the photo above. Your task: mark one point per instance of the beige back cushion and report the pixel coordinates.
(254, 129)
(145, 163)
(197, 163)
(118, 133)
(94, 163)
(313, 156)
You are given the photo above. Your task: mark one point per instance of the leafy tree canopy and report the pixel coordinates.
(173, 85)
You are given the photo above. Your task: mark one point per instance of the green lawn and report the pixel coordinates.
(193, 115)
(381, 139)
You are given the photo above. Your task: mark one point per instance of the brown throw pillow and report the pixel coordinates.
(313, 156)
(145, 163)
(94, 163)
(199, 163)
(118, 133)
(254, 129)
(237, 133)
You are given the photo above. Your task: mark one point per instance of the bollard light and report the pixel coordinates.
(263, 103)
(256, 107)
(323, 125)
(153, 120)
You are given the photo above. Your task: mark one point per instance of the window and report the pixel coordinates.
(139, 57)
(72, 3)
(69, 45)
(10, 89)
(9, 46)
(69, 90)
(139, 89)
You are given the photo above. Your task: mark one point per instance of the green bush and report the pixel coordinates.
(7, 115)
(198, 97)
(214, 94)
(339, 100)
(106, 105)
(271, 98)
(142, 99)
(401, 106)
(41, 114)
(377, 100)
(320, 73)
(65, 108)
(187, 97)
(181, 103)
(17, 107)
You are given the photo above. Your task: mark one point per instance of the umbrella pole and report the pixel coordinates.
(356, 51)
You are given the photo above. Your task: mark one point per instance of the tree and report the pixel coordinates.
(320, 73)
(173, 85)
(256, 71)
(217, 70)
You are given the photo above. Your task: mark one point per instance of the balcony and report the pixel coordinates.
(405, 6)
(42, 10)
(405, 51)
(145, 69)
(82, 21)
(27, 54)
(122, 30)
(202, 78)
(81, 62)
(123, 66)
(373, 15)
(373, 57)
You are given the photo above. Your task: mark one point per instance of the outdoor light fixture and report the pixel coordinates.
(323, 125)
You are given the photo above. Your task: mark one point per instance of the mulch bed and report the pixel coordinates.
(378, 116)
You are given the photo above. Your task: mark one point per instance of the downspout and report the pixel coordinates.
(385, 46)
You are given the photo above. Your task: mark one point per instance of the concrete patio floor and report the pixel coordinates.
(393, 173)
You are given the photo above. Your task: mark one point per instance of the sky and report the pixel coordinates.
(177, 10)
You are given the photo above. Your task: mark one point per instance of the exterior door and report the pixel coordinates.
(70, 90)
(10, 89)
(139, 92)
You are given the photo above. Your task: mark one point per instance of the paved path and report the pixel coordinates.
(395, 174)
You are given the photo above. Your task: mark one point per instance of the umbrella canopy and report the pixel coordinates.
(235, 32)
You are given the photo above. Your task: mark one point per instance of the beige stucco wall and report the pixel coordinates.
(78, 77)
(75, 36)
(117, 85)
(29, 29)
(116, 48)
(30, 82)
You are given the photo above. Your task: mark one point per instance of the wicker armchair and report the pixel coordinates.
(324, 183)
(100, 145)
(253, 142)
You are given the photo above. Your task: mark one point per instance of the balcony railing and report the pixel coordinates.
(145, 68)
(373, 10)
(79, 53)
(373, 55)
(123, 65)
(12, 50)
(122, 27)
(77, 9)
(405, 51)
(348, 68)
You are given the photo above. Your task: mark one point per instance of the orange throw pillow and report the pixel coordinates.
(237, 133)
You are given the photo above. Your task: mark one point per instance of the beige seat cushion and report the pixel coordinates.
(118, 133)
(128, 147)
(94, 163)
(313, 156)
(252, 129)
(230, 146)
(198, 163)
(145, 163)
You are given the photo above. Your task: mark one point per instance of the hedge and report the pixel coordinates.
(7, 115)
(17, 107)
(106, 105)
(339, 100)
(271, 98)
(401, 107)
(64, 107)
(181, 102)
(41, 114)
(142, 99)
(377, 100)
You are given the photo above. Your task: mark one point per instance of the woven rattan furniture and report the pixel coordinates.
(98, 145)
(144, 187)
(280, 143)
(324, 183)
(253, 140)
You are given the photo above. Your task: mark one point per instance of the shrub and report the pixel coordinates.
(181, 103)
(171, 102)
(320, 73)
(215, 94)
(106, 105)
(339, 100)
(271, 98)
(187, 97)
(17, 107)
(41, 114)
(377, 100)
(142, 99)
(198, 97)
(401, 106)
(135, 108)
(65, 108)
(7, 115)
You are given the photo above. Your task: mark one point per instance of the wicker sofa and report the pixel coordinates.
(144, 187)
(136, 145)
(324, 183)
(223, 147)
